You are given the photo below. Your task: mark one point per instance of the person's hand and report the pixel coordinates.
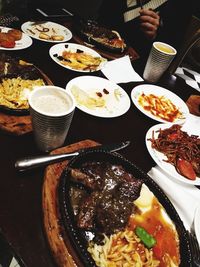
(149, 22)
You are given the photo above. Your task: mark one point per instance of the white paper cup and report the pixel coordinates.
(160, 57)
(51, 110)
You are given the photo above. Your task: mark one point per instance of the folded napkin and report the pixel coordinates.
(184, 197)
(121, 71)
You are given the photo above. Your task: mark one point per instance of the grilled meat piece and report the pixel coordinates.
(86, 214)
(110, 202)
(129, 191)
(97, 31)
(115, 207)
(90, 175)
(16, 34)
(81, 176)
(11, 67)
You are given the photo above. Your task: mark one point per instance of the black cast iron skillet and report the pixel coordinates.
(81, 27)
(26, 72)
(79, 238)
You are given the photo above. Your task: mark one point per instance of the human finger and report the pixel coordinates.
(149, 21)
(149, 30)
(149, 12)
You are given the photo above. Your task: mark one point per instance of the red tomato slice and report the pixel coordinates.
(173, 136)
(7, 44)
(185, 168)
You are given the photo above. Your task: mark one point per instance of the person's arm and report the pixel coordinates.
(149, 22)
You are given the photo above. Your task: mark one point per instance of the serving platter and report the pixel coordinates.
(80, 238)
(160, 158)
(23, 43)
(98, 96)
(47, 31)
(168, 101)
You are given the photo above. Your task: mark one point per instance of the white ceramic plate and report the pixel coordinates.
(160, 157)
(51, 28)
(58, 49)
(159, 91)
(117, 101)
(25, 41)
(197, 223)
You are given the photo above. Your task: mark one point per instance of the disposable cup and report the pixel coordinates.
(160, 57)
(51, 110)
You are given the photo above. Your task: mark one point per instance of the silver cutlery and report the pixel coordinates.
(28, 163)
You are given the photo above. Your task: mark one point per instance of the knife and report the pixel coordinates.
(38, 161)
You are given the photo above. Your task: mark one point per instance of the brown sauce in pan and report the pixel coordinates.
(165, 235)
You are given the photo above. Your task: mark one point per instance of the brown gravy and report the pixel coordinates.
(166, 237)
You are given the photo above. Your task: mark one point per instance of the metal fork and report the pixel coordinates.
(195, 249)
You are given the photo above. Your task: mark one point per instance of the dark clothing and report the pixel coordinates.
(175, 16)
(111, 15)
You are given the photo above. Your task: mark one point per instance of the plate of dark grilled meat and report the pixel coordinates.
(116, 215)
(100, 36)
(17, 79)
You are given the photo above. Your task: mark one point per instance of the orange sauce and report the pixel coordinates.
(161, 230)
(159, 106)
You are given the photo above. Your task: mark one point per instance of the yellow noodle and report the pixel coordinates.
(11, 91)
(120, 250)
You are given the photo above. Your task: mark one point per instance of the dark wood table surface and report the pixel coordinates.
(21, 218)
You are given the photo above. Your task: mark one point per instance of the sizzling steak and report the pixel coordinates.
(109, 202)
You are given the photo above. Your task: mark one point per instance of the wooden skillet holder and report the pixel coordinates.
(58, 240)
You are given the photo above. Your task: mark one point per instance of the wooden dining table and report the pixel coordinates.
(21, 210)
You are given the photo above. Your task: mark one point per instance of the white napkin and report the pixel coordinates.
(184, 197)
(192, 124)
(121, 71)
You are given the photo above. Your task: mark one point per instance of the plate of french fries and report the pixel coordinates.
(159, 104)
(77, 57)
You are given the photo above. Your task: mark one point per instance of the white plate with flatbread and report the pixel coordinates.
(47, 31)
(99, 97)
